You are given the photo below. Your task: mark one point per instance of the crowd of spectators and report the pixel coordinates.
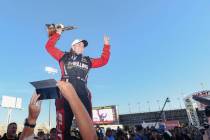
(127, 133)
(140, 133)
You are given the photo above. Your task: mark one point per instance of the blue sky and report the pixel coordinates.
(160, 49)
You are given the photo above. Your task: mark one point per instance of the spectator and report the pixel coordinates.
(140, 133)
(109, 135)
(41, 135)
(100, 133)
(120, 135)
(167, 135)
(53, 134)
(11, 132)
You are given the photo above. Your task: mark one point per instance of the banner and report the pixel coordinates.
(105, 115)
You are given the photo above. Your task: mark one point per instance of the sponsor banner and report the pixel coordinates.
(105, 115)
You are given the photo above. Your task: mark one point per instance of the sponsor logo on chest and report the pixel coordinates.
(77, 64)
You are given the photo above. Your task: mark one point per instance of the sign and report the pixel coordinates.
(105, 115)
(11, 102)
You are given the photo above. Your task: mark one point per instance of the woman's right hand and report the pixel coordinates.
(59, 28)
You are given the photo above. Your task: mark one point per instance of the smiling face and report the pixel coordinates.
(78, 48)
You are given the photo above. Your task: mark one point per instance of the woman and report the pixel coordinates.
(74, 68)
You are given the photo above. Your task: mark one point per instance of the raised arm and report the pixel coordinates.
(33, 113)
(82, 117)
(52, 50)
(103, 60)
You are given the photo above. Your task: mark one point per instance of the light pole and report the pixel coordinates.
(180, 105)
(129, 107)
(148, 103)
(202, 85)
(9, 115)
(51, 71)
(139, 107)
(158, 102)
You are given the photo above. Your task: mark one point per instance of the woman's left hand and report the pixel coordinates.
(106, 40)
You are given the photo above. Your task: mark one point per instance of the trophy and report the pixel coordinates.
(53, 27)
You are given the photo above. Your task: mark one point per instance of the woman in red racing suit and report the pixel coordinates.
(74, 68)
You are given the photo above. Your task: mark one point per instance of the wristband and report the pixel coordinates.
(27, 124)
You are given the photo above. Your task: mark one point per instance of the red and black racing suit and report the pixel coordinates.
(76, 68)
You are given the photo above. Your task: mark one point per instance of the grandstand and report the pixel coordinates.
(149, 117)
